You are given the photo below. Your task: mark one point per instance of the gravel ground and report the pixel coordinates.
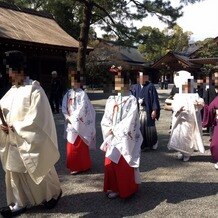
(169, 188)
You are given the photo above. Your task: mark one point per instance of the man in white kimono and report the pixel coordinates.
(186, 119)
(122, 143)
(80, 127)
(28, 143)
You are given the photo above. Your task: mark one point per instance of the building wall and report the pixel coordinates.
(40, 63)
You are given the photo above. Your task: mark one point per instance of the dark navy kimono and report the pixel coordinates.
(150, 102)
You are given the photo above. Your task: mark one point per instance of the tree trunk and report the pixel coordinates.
(83, 42)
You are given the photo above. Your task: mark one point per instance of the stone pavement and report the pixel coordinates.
(170, 188)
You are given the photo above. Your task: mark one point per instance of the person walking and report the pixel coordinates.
(55, 92)
(149, 110)
(80, 127)
(186, 132)
(122, 140)
(28, 143)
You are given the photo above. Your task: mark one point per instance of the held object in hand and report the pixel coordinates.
(2, 118)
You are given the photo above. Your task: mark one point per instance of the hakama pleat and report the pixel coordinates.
(26, 192)
(78, 156)
(149, 133)
(119, 178)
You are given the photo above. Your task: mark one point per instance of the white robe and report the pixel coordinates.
(126, 139)
(186, 125)
(29, 153)
(77, 108)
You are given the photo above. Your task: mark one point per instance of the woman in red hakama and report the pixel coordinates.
(119, 178)
(80, 129)
(122, 141)
(78, 156)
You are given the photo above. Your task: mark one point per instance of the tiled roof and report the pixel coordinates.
(125, 53)
(175, 61)
(213, 60)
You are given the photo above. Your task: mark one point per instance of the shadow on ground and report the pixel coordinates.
(96, 204)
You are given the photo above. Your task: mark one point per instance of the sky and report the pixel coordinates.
(199, 18)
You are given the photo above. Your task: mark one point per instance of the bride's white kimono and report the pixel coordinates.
(186, 125)
(29, 153)
(122, 118)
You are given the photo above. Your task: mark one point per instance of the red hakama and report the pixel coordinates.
(78, 157)
(119, 178)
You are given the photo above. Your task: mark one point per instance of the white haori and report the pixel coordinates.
(29, 153)
(35, 134)
(121, 117)
(186, 126)
(78, 109)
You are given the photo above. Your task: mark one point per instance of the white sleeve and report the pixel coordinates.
(64, 106)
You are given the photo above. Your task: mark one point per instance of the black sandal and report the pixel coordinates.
(52, 203)
(7, 212)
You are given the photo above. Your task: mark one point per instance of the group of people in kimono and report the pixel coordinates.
(28, 139)
(191, 112)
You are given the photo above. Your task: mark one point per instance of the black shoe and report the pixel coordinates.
(52, 203)
(7, 212)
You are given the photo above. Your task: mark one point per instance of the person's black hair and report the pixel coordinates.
(15, 60)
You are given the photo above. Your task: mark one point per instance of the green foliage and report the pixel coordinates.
(177, 39)
(155, 43)
(152, 43)
(119, 20)
(209, 48)
(67, 14)
(190, 1)
(116, 17)
(34, 4)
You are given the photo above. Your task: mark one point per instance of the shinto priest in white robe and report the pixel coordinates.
(29, 153)
(186, 125)
(78, 109)
(121, 116)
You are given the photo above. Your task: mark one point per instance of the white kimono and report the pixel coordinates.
(78, 109)
(29, 153)
(121, 116)
(186, 125)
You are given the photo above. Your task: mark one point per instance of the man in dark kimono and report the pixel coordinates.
(209, 91)
(55, 93)
(149, 110)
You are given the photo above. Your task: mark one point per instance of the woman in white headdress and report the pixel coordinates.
(186, 119)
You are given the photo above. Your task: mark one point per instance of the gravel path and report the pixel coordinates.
(170, 188)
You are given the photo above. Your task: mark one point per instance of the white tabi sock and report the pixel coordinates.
(16, 207)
